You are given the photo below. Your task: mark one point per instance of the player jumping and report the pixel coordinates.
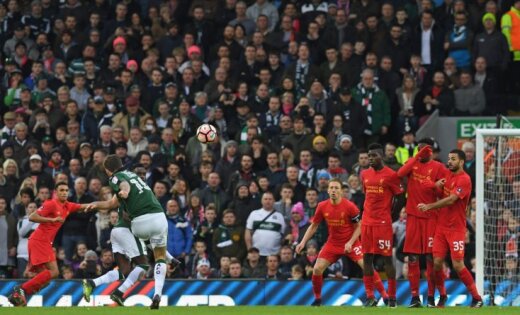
(451, 226)
(342, 218)
(422, 173)
(42, 259)
(380, 184)
(148, 222)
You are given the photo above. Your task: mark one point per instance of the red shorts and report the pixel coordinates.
(377, 239)
(40, 253)
(332, 253)
(450, 241)
(419, 235)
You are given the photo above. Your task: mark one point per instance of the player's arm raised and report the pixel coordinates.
(448, 201)
(109, 204)
(308, 234)
(407, 168)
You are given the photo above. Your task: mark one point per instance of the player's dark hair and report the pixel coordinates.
(113, 163)
(427, 141)
(60, 183)
(460, 154)
(375, 146)
(336, 180)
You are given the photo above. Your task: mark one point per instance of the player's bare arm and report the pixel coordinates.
(448, 201)
(354, 238)
(110, 204)
(35, 217)
(311, 230)
(124, 189)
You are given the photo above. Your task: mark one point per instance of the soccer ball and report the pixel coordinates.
(206, 133)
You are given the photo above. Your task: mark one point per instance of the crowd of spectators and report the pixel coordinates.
(297, 89)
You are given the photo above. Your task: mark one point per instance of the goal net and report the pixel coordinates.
(498, 215)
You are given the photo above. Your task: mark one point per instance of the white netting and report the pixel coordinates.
(501, 218)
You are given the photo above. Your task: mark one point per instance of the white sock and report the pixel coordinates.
(160, 276)
(111, 276)
(168, 257)
(131, 279)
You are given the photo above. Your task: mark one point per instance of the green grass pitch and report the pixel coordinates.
(255, 310)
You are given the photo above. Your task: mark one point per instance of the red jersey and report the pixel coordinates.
(51, 209)
(421, 186)
(380, 187)
(454, 217)
(340, 220)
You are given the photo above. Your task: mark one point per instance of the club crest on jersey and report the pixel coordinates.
(114, 180)
(459, 190)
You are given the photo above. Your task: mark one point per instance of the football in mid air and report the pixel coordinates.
(206, 133)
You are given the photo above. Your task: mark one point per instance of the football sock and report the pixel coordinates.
(37, 283)
(430, 278)
(380, 287)
(414, 273)
(466, 277)
(369, 286)
(439, 281)
(111, 276)
(317, 283)
(132, 278)
(160, 276)
(392, 287)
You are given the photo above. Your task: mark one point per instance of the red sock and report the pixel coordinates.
(369, 286)
(380, 287)
(439, 281)
(466, 277)
(414, 274)
(429, 276)
(37, 283)
(317, 283)
(392, 287)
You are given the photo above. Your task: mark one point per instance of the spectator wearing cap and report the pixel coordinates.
(352, 114)
(492, 45)
(133, 117)
(56, 164)
(376, 104)
(347, 152)
(8, 131)
(36, 171)
(408, 149)
(97, 115)
(510, 29)
(19, 36)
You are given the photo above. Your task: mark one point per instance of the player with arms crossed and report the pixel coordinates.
(42, 258)
(381, 184)
(342, 218)
(422, 173)
(451, 226)
(148, 222)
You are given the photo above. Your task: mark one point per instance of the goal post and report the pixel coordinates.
(497, 166)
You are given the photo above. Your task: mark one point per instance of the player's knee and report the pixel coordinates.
(458, 265)
(54, 273)
(317, 271)
(437, 263)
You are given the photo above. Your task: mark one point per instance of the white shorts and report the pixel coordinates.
(124, 242)
(151, 227)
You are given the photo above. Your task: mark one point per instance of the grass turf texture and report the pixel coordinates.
(254, 310)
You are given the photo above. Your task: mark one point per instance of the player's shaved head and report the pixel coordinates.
(112, 163)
